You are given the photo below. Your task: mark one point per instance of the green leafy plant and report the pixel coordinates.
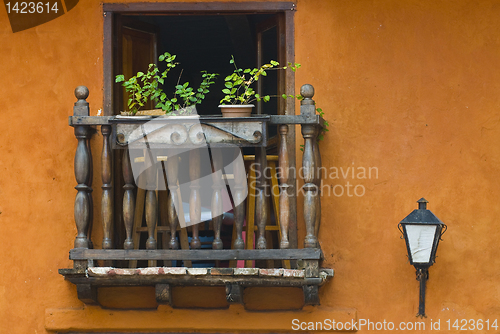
(146, 86)
(238, 85)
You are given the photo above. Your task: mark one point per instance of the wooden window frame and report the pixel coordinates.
(208, 8)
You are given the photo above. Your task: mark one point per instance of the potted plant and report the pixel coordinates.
(146, 86)
(239, 94)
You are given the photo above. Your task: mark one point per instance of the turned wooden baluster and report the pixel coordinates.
(217, 196)
(173, 219)
(261, 203)
(128, 199)
(82, 174)
(194, 200)
(107, 188)
(309, 132)
(239, 197)
(151, 206)
(163, 208)
(89, 184)
(284, 197)
(317, 182)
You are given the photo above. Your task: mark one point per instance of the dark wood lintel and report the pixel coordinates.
(198, 7)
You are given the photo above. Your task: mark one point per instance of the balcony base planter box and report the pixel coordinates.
(188, 111)
(236, 110)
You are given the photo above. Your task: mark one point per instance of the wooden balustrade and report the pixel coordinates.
(148, 204)
(309, 166)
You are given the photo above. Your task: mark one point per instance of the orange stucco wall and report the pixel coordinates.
(409, 87)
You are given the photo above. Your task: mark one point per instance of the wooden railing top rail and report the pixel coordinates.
(273, 120)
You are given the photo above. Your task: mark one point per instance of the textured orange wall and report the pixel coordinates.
(410, 88)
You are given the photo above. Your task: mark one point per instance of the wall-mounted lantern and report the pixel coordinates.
(422, 231)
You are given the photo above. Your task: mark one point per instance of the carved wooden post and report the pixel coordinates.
(284, 197)
(151, 201)
(89, 184)
(173, 219)
(238, 197)
(128, 199)
(317, 182)
(261, 203)
(82, 174)
(107, 188)
(194, 200)
(309, 168)
(217, 196)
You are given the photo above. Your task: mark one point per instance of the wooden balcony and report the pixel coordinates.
(151, 198)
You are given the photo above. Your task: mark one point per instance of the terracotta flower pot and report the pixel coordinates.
(236, 110)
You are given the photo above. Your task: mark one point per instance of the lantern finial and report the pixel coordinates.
(422, 204)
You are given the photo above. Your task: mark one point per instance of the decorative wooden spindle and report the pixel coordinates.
(284, 197)
(91, 200)
(194, 199)
(173, 200)
(239, 197)
(82, 172)
(107, 188)
(261, 201)
(309, 132)
(317, 182)
(163, 217)
(128, 199)
(151, 201)
(217, 196)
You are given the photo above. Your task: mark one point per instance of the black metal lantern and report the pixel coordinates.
(422, 231)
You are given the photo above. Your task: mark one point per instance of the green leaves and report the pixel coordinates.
(237, 85)
(144, 87)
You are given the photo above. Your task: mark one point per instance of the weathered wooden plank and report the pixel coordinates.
(187, 280)
(89, 120)
(205, 8)
(297, 119)
(273, 120)
(198, 254)
(172, 132)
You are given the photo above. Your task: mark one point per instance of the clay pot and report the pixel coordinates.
(236, 110)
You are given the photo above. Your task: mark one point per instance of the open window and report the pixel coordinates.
(204, 37)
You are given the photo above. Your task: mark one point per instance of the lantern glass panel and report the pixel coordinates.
(421, 239)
